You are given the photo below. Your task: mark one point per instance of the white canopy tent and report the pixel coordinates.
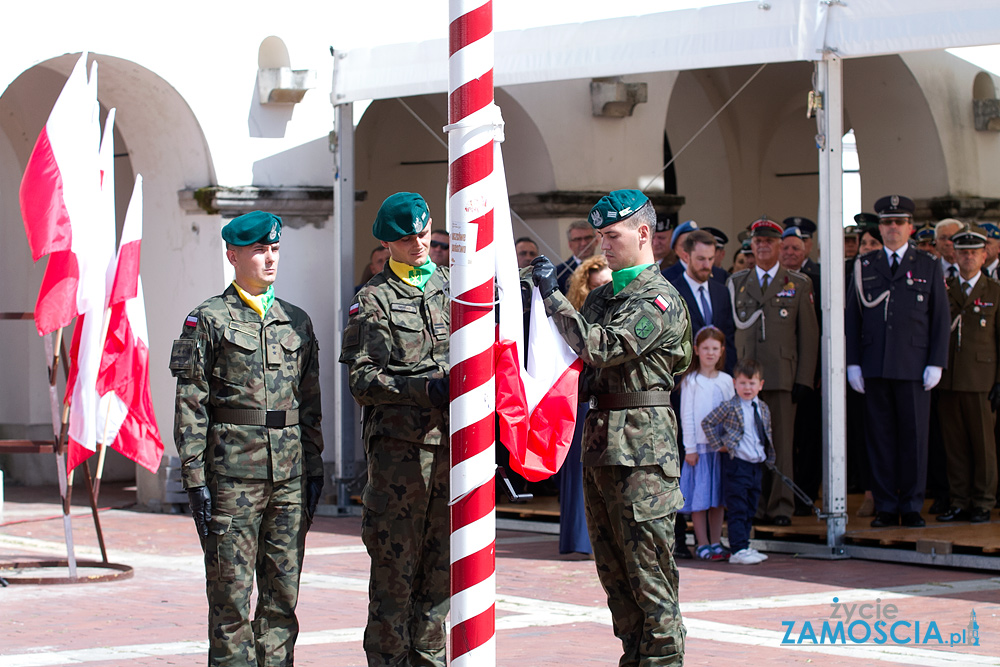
(742, 33)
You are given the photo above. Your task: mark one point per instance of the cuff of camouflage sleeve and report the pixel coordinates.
(193, 477)
(416, 389)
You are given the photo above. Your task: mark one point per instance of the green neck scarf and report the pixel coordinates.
(622, 277)
(259, 302)
(413, 275)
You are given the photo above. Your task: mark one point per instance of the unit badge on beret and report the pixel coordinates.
(595, 218)
(271, 235)
(625, 211)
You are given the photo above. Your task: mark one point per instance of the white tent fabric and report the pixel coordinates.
(741, 33)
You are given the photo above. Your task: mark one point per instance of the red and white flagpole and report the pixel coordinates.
(472, 116)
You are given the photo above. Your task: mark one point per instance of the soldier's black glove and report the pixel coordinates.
(799, 392)
(201, 508)
(438, 391)
(543, 274)
(994, 397)
(314, 489)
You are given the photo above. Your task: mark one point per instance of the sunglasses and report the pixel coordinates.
(439, 245)
(894, 221)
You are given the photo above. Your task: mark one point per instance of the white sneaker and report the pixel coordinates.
(758, 554)
(745, 557)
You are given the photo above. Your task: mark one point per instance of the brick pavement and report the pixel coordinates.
(550, 610)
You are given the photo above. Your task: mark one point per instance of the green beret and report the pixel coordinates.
(253, 227)
(400, 215)
(616, 206)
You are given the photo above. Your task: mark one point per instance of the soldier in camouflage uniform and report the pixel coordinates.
(247, 429)
(396, 345)
(634, 335)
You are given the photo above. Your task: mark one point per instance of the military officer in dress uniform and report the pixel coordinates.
(897, 347)
(634, 336)
(970, 386)
(776, 326)
(247, 428)
(396, 348)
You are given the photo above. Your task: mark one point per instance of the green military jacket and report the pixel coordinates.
(784, 338)
(974, 350)
(395, 341)
(636, 340)
(227, 358)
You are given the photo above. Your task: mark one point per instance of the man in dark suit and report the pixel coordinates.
(970, 387)
(897, 348)
(707, 300)
(776, 326)
(677, 245)
(583, 244)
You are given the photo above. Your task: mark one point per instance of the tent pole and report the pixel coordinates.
(343, 292)
(830, 120)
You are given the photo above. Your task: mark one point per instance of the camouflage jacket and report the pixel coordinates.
(395, 341)
(227, 358)
(636, 340)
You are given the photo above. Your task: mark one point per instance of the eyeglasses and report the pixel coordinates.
(894, 221)
(439, 245)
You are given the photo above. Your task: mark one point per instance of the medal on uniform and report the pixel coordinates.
(975, 309)
(920, 297)
(783, 312)
(982, 322)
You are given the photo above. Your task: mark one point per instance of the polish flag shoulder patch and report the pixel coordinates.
(355, 307)
(191, 321)
(661, 303)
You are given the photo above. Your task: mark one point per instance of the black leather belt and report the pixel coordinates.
(635, 399)
(268, 418)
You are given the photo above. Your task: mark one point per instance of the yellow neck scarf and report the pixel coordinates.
(260, 303)
(413, 275)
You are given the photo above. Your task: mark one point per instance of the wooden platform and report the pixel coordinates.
(944, 538)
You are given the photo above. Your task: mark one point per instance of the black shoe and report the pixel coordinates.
(940, 506)
(979, 515)
(780, 520)
(681, 551)
(913, 520)
(955, 514)
(885, 519)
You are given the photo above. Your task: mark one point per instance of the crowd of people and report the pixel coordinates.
(700, 390)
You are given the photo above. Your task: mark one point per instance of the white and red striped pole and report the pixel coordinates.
(473, 332)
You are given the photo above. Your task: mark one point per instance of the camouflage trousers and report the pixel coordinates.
(405, 527)
(630, 516)
(257, 527)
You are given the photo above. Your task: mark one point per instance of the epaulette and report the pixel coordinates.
(797, 274)
(740, 274)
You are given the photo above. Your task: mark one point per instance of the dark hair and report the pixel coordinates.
(526, 239)
(698, 236)
(700, 337)
(748, 368)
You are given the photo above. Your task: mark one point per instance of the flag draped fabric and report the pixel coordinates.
(125, 417)
(85, 352)
(537, 401)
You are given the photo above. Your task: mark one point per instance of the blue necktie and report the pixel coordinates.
(706, 309)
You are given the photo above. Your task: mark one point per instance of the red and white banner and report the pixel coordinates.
(97, 272)
(536, 401)
(59, 206)
(126, 420)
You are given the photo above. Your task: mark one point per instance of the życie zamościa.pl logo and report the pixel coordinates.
(875, 623)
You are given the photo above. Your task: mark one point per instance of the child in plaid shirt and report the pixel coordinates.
(742, 427)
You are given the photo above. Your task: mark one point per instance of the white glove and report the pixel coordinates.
(932, 375)
(855, 379)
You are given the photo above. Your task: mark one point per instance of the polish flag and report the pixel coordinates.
(125, 418)
(536, 403)
(58, 203)
(94, 282)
